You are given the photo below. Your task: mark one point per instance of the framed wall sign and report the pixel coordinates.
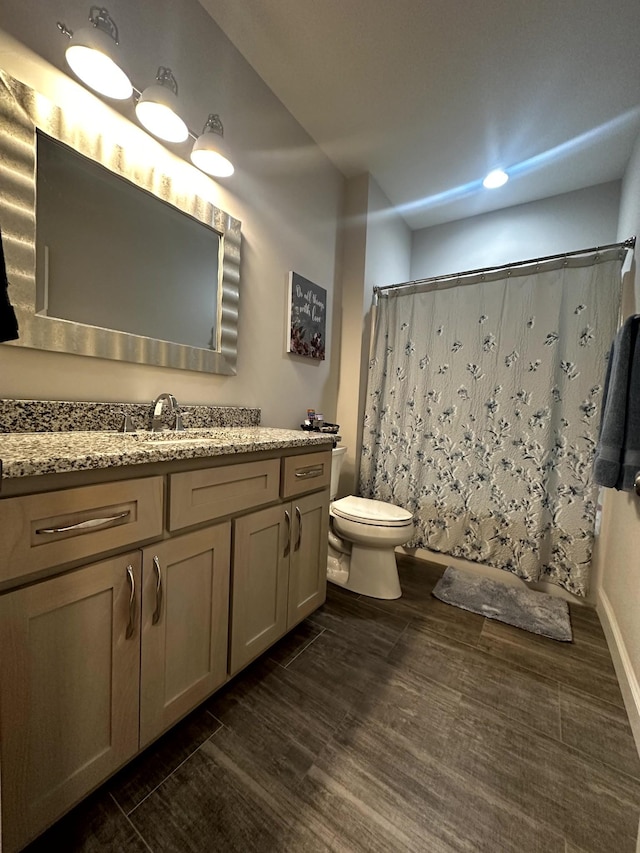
(307, 314)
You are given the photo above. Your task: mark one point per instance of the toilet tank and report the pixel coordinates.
(337, 457)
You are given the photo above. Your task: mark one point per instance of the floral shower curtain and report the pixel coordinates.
(483, 407)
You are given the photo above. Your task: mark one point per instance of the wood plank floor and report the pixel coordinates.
(388, 726)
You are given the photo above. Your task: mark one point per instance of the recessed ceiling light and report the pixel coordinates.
(495, 179)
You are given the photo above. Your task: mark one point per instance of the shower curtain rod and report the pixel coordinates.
(624, 244)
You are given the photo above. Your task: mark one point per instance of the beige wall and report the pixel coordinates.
(562, 223)
(617, 557)
(285, 192)
(376, 251)
(352, 315)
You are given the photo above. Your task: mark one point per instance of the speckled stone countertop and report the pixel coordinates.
(32, 454)
(60, 416)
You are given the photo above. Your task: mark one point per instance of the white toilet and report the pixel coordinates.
(362, 536)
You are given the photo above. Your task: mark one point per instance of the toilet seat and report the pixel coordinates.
(372, 512)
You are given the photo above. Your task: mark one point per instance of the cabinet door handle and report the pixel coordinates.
(86, 525)
(311, 471)
(156, 613)
(287, 547)
(299, 519)
(132, 602)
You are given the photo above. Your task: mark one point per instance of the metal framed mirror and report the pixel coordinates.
(25, 117)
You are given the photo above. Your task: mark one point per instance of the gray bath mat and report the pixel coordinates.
(533, 611)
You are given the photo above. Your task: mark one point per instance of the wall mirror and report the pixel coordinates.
(108, 253)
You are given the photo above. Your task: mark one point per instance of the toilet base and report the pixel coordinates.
(367, 571)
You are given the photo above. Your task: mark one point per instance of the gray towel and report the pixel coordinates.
(8, 322)
(631, 458)
(617, 458)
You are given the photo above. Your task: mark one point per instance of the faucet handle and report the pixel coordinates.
(179, 426)
(127, 423)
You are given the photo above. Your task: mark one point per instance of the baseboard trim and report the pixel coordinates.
(622, 663)
(493, 573)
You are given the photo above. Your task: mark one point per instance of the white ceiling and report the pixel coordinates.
(430, 95)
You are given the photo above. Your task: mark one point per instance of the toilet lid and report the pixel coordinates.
(368, 511)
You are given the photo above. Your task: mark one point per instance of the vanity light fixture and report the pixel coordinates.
(93, 55)
(209, 151)
(157, 108)
(496, 178)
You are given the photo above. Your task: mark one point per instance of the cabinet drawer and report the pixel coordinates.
(211, 493)
(305, 473)
(51, 529)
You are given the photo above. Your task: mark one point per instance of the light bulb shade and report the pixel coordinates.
(210, 153)
(93, 57)
(157, 110)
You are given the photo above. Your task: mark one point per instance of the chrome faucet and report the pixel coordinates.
(157, 423)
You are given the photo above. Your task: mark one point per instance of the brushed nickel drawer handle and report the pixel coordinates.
(156, 613)
(636, 483)
(287, 547)
(86, 525)
(306, 473)
(299, 518)
(132, 603)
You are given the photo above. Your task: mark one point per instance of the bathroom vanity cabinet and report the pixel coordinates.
(127, 603)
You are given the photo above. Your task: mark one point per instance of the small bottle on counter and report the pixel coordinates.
(310, 421)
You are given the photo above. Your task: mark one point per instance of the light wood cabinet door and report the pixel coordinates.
(185, 618)
(69, 679)
(260, 582)
(308, 562)
(279, 573)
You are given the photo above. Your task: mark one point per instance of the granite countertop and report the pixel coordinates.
(32, 454)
